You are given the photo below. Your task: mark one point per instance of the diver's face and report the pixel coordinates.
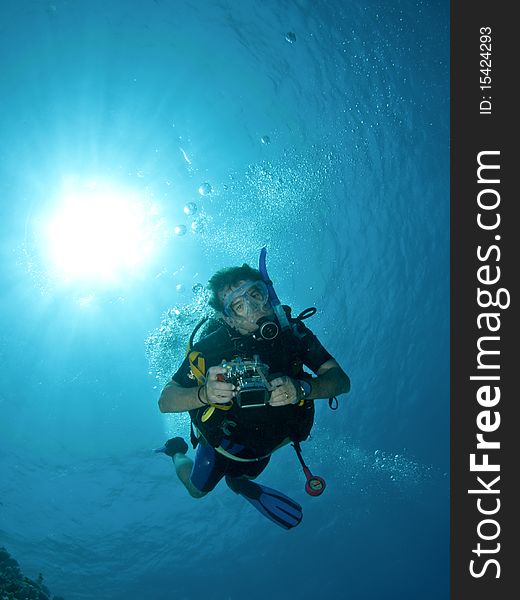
(245, 303)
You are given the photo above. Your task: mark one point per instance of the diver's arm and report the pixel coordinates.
(331, 381)
(175, 398)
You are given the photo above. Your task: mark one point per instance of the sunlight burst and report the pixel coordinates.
(99, 233)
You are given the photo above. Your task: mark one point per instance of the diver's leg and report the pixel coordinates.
(202, 475)
(274, 505)
(184, 467)
(249, 470)
(176, 448)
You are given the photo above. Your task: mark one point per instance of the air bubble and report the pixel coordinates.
(190, 208)
(205, 189)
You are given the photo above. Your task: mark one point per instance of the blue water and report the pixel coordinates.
(330, 146)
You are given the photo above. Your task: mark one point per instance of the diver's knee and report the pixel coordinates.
(195, 493)
(233, 481)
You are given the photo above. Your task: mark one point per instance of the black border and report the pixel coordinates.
(472, 133)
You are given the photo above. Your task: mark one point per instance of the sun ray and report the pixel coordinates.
(99, 232)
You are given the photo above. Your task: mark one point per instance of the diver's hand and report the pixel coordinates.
(218, 392)
(284, 391)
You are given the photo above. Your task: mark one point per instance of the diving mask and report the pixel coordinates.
(246, 300)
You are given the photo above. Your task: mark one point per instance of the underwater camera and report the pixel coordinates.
(251, 377)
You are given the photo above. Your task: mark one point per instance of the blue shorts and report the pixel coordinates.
(210, 467)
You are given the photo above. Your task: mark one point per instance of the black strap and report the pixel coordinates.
(305, 314)
(333, 403)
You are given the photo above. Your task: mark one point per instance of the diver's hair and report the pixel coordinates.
(229, 277)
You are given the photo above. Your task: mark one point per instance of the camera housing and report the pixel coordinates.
(250, 376)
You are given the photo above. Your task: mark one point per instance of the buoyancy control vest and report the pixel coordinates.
(259, 430)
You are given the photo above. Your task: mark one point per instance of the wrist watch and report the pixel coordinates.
(305, 388)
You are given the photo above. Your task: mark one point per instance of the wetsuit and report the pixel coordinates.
(244, 438)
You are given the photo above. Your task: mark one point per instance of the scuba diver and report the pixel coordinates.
(247, 392)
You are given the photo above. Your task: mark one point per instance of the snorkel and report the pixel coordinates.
(273, 298)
